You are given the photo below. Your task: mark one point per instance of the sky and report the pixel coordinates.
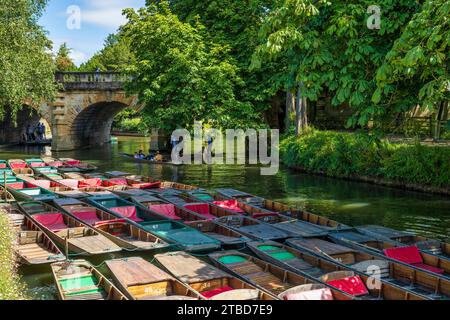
(84, 24)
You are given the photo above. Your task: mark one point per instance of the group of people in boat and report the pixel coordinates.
(34, 132)
(150, 157)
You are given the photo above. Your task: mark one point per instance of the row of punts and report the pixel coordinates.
(254, 248)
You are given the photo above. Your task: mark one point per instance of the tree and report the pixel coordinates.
(26, 64)
(115, 56)
(329, 50)
(417, 68)
(63, 61)
(180, 76)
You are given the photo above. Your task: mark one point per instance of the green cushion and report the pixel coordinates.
(282, 255)
(267, 248)
(78, 283)
(231, 259)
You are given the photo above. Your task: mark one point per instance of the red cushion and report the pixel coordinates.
(37, 164)
(215, 292)
(42, 183)
(231, 205)
(2, 165)
(16, 185)
(95, 182)
(127, 212)
(167, 210)
(119, 181)
(88, 216)
(408, 255)
(319, 294)
(53, 221)
(202, 209)
(18, 165)
(351, 285)
(71, 183)
(72, 162)
(148, 185)
(55, 164)
(429, 268)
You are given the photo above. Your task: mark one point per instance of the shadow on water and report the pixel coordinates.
(348, 202)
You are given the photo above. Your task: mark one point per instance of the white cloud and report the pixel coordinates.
(78, 57)
(107, 13)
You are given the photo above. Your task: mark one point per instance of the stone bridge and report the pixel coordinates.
(82, 114)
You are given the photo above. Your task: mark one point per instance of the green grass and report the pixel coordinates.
(10, 286)
(349, 155)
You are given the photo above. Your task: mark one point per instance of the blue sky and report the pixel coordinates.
(98, 18)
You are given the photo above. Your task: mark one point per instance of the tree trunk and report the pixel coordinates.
(441, 116)
(301, 115)
(290, 102)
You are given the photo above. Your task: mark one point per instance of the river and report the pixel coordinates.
(347, 202)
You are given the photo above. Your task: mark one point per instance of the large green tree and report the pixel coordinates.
(417, 68)
(180, 75)
(26, 64)
(330, 49)
(115, 56)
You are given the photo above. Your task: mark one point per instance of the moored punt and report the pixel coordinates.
(17, 164)
(225, 235)
(67, 231)
(82, 166)
(52, 162)
(119, 231)
(206, 211)
(23, 190)
(3, 164)
(272, 279)
(399, 238)
(409, 255)
(350, 281)
(35, 163)
(211, 282)
(33, 246)
(55, 187)
(141, 280)
(397, 274)
(252, 228)
(169, 230)
(79, 280)
(253, 204)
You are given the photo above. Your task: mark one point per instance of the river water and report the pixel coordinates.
(347, 202)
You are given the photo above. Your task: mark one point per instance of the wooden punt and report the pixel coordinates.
(67, 231)
(252, 228)
(27, 191)
(427, 245)
(170, 230)
(79, 280)
(55, 187)
(81, 166)
(3, 164)
(18, 166)
(225, 235)
(378, 245)
(314, 266)
(253, 204)
(265, 276)
(211, 282)
(52, 162)
(141, 280)
(397, 274)
(119, 231)
(33, 246)
(35, 163)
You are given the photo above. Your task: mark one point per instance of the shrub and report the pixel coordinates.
(348, 154)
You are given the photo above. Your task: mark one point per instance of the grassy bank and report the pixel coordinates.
(10, 287)
(363, 157)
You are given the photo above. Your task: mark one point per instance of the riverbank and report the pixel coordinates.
(10, 286)
(360, 157)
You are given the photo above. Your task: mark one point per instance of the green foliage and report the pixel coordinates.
(115, 56)
(10, 287)
(63, 61)
(129, 120)
(180, 76)
(26, 66)
(416, 70)
(358, 154)
(330, 50)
